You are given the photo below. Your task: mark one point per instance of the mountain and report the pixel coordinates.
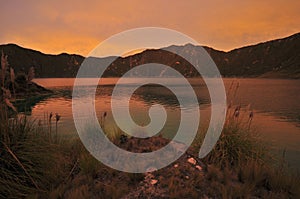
(278, 58)
(45, 65)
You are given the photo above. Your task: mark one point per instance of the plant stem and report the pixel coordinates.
(21, 165)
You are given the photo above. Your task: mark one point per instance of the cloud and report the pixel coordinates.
(78, 26)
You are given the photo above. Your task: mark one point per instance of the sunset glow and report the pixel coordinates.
(150, 99)
(73, 27)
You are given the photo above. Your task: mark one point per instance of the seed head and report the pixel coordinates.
(57, 117)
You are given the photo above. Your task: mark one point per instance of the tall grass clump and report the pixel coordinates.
(31, 164)
(28, 161)
(239, 141)
(237, 144)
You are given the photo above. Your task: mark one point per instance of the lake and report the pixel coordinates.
(275, 103)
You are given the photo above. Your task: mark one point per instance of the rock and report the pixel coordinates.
(153, 181)
(149, 176)
(192, 161)
(199, 167)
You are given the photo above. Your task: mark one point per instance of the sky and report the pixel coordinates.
(79, 26)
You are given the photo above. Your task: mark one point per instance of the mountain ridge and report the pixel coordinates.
(279, 58)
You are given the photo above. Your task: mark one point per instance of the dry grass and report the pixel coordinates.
(69, 171)
(29, 162)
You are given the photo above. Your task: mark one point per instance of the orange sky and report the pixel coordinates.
(79, 26)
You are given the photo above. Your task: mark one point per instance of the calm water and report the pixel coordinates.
(275, 104)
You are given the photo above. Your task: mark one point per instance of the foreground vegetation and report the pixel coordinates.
(36, 163)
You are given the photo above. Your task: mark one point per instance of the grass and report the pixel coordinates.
(238, 143)
(241, 166)
(33, 165)
(27, 158)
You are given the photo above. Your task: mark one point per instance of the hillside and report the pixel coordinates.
(277, 58)
(45, 65)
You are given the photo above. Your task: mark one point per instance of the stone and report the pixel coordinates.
(192, 161)
(199, 168)
(153, 181)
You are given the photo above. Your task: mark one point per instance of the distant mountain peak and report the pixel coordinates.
(275, 58)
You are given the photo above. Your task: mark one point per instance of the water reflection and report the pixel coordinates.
(274, 102)
(26, 105)
(276, 97)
